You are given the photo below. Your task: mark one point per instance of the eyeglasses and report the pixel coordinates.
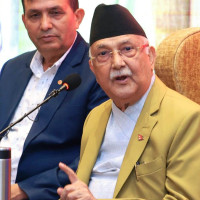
(127, 52)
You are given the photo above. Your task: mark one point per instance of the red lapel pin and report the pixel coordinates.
(140, 137)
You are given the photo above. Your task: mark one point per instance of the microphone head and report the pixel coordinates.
(73, 81)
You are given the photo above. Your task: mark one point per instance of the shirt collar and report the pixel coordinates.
(134, 110)
(36, 63)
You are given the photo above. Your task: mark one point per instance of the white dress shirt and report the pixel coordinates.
(34, 94)
(118, 133)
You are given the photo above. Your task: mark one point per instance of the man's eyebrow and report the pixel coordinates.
(33, 10)
(125, 41)
(100, 46)
(50, 8)
(54, 8)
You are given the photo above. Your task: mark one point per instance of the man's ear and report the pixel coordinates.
(79, 13)
(24, 20)
(152, 55)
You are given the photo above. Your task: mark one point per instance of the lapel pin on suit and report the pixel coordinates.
(140, 137)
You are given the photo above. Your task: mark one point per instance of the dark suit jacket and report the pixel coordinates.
(56, 135)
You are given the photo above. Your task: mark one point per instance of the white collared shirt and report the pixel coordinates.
(117, 136)
(34, 94)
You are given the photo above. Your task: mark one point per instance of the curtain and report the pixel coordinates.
(170, 15)
(158, 18)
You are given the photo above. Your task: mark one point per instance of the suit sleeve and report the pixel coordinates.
(183, 161)
(44, 185)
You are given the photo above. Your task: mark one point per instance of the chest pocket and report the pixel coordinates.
(150, 168)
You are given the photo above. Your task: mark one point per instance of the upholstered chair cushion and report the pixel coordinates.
(178, 62)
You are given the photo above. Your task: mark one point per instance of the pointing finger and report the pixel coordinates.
(71, 174)
(59, 191)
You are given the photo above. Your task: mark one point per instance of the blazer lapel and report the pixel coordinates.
(144, 127)
(93, 145)
(48, 110)
(134, 150)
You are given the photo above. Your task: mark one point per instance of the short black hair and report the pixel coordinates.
(73, 4)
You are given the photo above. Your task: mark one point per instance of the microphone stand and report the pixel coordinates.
(54, 93)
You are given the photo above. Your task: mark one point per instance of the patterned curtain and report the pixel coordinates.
(158, 18)
(170, 15)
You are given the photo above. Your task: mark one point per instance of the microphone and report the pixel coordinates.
(71, 82)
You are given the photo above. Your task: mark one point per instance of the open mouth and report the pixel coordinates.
(121, 78)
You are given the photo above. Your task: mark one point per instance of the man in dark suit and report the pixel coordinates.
(52, 133)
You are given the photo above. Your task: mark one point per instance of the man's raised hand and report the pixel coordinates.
(77, 190)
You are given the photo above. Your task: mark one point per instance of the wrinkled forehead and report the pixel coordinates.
(45, 5)
(30, 1)
(114, 42)
(45, 2)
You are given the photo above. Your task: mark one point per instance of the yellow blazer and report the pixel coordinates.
(168, 154)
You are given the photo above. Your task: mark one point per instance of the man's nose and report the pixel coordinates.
(46, 23)
(117, 60)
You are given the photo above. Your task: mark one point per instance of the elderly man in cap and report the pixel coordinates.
(144, 142)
